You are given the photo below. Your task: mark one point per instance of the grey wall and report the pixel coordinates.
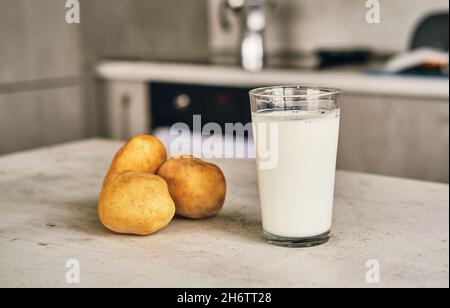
(36, 42)
(145, 29)
(41, 99)
(304, 25)
(164, 30)
(47, 92)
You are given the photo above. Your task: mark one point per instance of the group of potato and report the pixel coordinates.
(143, 190)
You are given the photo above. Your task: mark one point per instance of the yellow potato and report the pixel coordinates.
(197, 188)
(135, 203)
(140, 154)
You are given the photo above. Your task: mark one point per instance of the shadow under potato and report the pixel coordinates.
(231, 222)
(81, 216)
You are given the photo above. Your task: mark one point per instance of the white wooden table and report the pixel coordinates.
(48, 215)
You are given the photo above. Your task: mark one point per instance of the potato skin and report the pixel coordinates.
(139, 154)
(197, 188)
(135, 203)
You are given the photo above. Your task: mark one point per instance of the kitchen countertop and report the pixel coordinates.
(352, 82)
(48, 215)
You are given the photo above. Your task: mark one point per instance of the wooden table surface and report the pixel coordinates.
(48, 215)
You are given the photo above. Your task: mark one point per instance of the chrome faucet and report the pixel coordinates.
(253, 20)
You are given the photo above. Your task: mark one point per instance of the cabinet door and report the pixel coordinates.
(36, 42)
(34, 119)
(404, 137)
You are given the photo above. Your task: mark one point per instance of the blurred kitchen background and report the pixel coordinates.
(138, 66)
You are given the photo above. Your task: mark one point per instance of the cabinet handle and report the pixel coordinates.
(126, 103)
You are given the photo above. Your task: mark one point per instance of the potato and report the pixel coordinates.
(197, 188)
(135, 203)
(140, 154)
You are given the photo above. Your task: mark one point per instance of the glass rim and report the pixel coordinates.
(321, 92)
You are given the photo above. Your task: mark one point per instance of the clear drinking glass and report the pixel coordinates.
(296, 131)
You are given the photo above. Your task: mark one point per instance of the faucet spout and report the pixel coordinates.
(253, 20)
(252, 45)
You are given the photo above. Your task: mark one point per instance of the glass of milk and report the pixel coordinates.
(296, 131)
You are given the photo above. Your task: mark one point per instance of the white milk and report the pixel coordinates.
(297, 195)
